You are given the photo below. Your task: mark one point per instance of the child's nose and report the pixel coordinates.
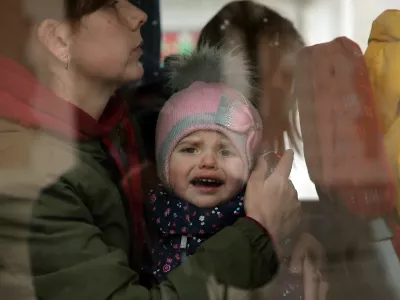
(208, 161)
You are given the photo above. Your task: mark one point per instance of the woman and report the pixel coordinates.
(71, 223)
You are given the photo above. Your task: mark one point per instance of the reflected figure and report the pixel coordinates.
(269, 43)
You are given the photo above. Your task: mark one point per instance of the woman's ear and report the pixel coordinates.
(54, 36)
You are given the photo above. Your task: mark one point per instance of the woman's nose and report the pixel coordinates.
(136, 18)
(208, 161)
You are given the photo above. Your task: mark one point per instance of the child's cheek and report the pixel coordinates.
(235, 170)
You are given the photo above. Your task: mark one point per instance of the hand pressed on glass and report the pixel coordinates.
(272, 199)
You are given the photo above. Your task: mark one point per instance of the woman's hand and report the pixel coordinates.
(272, 201)
(308, 258)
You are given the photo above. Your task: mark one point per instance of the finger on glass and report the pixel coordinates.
(284, 167)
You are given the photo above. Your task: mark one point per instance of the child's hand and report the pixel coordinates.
(272, 200)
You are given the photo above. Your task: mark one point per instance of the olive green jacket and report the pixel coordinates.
(65, 233)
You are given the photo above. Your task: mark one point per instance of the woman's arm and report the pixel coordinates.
(69, 258)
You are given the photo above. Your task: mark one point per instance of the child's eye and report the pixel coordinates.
(225, 152)
(189, 150)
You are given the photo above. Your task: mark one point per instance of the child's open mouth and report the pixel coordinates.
(206, 185)
(206, 182)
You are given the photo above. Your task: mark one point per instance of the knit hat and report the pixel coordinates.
(212, 88)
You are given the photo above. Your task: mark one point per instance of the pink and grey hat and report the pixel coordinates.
(207, 101)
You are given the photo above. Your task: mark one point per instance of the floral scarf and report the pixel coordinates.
(183, 227)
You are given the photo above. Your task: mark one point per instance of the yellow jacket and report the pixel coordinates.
(383, 62)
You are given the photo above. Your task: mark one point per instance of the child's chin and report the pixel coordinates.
(207, 201)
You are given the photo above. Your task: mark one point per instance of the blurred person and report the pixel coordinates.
(71, 209)
(269, 43)
(383, 62)
(345, 155)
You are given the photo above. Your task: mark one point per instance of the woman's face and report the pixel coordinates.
(107, 43)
